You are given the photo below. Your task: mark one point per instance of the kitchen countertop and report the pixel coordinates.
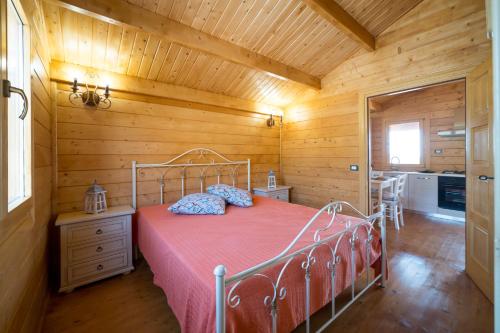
(425, 173)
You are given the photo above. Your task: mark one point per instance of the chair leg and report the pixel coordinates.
(395, 213)
(400, 208)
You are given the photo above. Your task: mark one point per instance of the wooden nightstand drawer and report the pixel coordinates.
(95, 250)
(97, 267)
(100, 229)
(94, 246)
(280, 195)
(280, 192)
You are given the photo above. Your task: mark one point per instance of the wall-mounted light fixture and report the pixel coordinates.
(90, 96)
(270, 121)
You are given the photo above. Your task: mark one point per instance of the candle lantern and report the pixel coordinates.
(271, 180)
(95, 199)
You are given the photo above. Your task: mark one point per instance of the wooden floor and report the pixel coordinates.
(428, 291)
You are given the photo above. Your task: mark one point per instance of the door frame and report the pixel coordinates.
(495, 27)
(367, 131)
(364, 122)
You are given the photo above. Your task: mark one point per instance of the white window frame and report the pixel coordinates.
(387, 125)
(12, 217)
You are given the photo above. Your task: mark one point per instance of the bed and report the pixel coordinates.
(265, 268)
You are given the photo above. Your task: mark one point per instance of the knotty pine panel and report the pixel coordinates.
(100, 144)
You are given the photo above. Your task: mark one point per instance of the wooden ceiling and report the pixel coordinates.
(286, 31)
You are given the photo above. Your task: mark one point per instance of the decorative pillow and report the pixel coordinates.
(199, 204)
(232, 195)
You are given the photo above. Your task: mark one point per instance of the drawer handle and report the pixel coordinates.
(99, 249)
(99, 267)
(98, 231)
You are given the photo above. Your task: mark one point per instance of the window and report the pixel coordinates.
(19, 130)
(405, 143)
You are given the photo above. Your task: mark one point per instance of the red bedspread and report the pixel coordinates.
(183, 251)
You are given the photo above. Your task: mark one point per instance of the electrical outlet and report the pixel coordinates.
(354, 167)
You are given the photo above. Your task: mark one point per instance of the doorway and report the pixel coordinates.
(417, 151)
(426, 136)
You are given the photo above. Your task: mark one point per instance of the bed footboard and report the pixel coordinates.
(321, 238)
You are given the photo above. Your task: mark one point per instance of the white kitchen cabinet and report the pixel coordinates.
(423, 194)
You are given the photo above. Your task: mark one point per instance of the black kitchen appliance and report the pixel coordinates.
(451, 193)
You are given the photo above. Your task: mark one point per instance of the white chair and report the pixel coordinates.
(394, 201)
(374, 191)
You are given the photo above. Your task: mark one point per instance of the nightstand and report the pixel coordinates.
(94, 246)
(281, 192)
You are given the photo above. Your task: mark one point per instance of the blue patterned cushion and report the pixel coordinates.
(232, 195)
(199, 204)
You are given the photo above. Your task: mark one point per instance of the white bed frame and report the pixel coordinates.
(206, 159)
(202, 160)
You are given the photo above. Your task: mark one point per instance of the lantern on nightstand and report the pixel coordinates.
(95, 199)
(271, 180)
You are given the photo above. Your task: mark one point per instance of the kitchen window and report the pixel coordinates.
(405, 143)
(17, 120)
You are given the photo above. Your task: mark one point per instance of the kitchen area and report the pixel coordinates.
(420, 135)
(437, 194)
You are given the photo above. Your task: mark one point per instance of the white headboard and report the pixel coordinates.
(202, 158)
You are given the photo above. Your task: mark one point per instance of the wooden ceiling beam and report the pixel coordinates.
(65, 73)
(120, 12)
(336, 15)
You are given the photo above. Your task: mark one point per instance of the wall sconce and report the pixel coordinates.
(90, 96)
(270, 121)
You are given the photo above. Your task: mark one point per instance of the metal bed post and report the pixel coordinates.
(220, 299)
(248, 177)
(183, 186)
(353, 265)
(308, 298)
(162, 188)
(134, 184)
(384, 246)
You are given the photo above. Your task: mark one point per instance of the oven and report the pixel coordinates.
(451, 193)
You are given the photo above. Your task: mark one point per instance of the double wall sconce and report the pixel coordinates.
(90, 96)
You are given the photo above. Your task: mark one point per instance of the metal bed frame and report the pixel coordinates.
(207, 159)
(204, 159)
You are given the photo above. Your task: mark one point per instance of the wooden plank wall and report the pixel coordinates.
(100, 144)
(320, 140)
(24, 259)
(437, 106)
(434, 40)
